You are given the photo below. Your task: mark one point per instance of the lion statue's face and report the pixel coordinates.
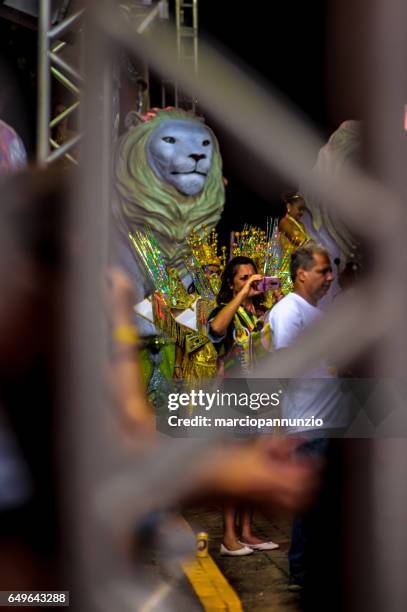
(168, 174)
(180, 153)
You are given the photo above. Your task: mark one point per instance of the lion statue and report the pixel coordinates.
(168, 175)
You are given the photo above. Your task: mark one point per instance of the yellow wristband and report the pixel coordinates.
(126, 334)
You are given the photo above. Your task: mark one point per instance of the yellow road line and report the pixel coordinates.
(210, 585)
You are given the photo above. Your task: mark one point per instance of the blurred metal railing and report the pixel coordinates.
(118, 484)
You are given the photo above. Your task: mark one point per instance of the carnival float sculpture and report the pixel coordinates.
(322, 224)
(181, 315)
(168, 183)
(168, 175)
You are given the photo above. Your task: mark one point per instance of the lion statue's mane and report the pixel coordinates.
(142, 198)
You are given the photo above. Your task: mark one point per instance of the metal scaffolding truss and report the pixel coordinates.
(51, 64)
(52, 42)
(186, 20)
(186, 15)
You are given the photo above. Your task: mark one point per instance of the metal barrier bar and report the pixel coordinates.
(87, 359)
(383, 576)
(364, 315)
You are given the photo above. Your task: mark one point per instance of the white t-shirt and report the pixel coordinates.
(318, 393)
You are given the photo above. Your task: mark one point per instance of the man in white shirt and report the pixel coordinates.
(316, 397)
(311, 273)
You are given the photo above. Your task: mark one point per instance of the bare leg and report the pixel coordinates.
(230, 539)
(247, 535)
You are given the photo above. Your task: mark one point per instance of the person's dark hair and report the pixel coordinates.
(225, 294)
(303, 257)
(292, 197)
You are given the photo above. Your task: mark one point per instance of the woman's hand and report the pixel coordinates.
(220, 323)
(248, 290)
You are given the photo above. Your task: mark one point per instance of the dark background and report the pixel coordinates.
(286, 42)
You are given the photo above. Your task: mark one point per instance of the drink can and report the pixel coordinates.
(202, 544)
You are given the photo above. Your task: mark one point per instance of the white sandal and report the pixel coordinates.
(240, 552)
(263, 546)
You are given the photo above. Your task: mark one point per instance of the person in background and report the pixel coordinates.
(234, 325)
(317, 394)
(234, 328)
(292, 234)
